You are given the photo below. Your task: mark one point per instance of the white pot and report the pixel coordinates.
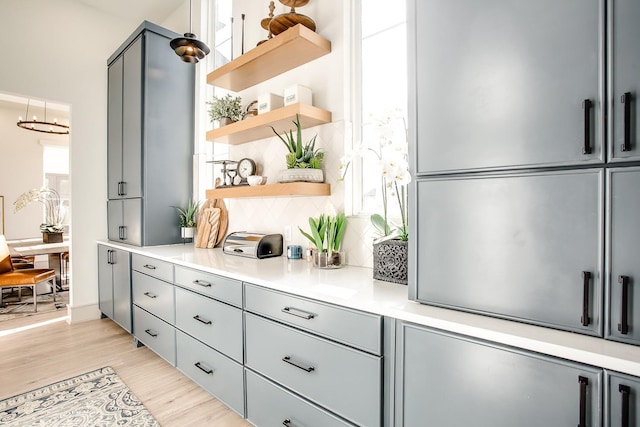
(187, 232)
(304, 175)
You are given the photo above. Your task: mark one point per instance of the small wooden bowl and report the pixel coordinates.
(283, 22)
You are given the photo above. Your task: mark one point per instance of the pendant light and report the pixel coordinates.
(189, 48)
(42, 126)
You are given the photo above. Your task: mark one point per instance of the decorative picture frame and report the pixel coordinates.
(1, 214)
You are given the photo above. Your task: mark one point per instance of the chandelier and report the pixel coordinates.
(43, 126)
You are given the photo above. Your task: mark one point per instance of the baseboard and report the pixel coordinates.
(82, 313)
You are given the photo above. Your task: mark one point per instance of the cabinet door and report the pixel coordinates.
(624, 69)
(121, 288)
(623, 400)
(105, 281)
(132, 120)
(503, 83)
(114, 220)
(132, 221)
(448, 380)
(623, 258)
(114, 129)
(514, 246)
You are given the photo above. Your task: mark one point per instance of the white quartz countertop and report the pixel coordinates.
(354, 287)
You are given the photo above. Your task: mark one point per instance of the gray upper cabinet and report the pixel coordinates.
(520, 246)
(622, 405)
(449, 380)
(114, 285)
(503, 84)
(624, 72)
(623, 258)
(150, 138)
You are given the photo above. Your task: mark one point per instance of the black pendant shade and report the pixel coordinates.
(189, 48)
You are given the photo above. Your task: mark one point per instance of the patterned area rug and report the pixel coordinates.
(14, 308)
(97, 398)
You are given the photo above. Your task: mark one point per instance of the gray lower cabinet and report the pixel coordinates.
(155, 333)
(268, 404)
(213, 371)
(521, 246)
(114, 285)
(449, 380)
(623, 258)
(622, 403)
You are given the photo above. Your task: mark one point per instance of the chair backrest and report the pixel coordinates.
(5, 256)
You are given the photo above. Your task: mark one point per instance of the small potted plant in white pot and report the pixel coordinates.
(188, 219)
(304, 161)
(225, 110)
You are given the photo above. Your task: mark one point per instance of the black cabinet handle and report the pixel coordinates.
(110, 257)
(202, 283)
(150, 332)
(201, 320)
(203, 369)
(288, 360)
(586, 106)
(298, 313)
(626, 101)
(584, 382)
(149, 266)
(585, 320)
(120, 188)
(286, 422)
(150, 295)
(122, 232)
(626, 392)
(623, 326)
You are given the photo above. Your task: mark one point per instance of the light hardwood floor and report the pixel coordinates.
(42, 355)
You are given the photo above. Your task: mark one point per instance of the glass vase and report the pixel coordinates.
(329, 261)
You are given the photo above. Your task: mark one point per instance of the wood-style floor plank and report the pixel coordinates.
(42, 355)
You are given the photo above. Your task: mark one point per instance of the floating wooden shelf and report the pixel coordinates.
(272, 190)
(257, 127)
(290, 49)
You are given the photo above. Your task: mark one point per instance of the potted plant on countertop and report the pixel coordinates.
(327, 232)
(225, 110)
(304, 161)
(52, 228)
(188, 219)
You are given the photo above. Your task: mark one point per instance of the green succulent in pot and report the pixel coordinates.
(188, 215)
(300, 155)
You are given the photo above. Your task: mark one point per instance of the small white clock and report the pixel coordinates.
(246, 167)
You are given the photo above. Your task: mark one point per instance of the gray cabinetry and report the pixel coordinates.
(150, 138)
(622, 403)
(623, 257)
(503, 84)
(155, 333)
(519, 246)
(624, 79)
(114, 285)
(448, 380)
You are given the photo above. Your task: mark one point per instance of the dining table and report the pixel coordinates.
(33, 247)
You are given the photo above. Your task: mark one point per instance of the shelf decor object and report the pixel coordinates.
(284, 21)
(271, 190)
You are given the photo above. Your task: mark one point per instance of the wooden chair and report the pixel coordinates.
(11, 277)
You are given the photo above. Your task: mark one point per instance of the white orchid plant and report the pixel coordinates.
(391, 155)
(50, 199)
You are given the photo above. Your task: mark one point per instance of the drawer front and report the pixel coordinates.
(622, 405)
(344, 380)
(216, 324)
(364, 331)
(160, 269)
(218, 287)
(271, 405)
(153, 295)
(214, 372)
(155, 334)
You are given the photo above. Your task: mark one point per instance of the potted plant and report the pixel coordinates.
(304, 161)
(188, 219)
(225, 110)
(327, 232)
(52, 228)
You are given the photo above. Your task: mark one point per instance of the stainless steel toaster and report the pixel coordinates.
(253, 245)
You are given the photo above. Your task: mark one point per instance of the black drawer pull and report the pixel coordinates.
(203, 369)
(584, 382)
(585, 320)
(150, 332)
(288, 360)
(150, 295)
(626, 392)
(298, 313)
(626, 101)
(149, 266)
(201, 320)
(286, 422)
(586, 106)
(623, 326)
(202, 283)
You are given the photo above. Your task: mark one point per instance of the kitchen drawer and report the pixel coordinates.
(159, 336)
(160, 269)
(271, 405)
(153, 295)
(214, 323)
(218, 287)
(355, 328)
(214, 372)
(342, 379)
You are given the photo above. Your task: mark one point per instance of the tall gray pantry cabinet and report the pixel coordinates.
(150, 138)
